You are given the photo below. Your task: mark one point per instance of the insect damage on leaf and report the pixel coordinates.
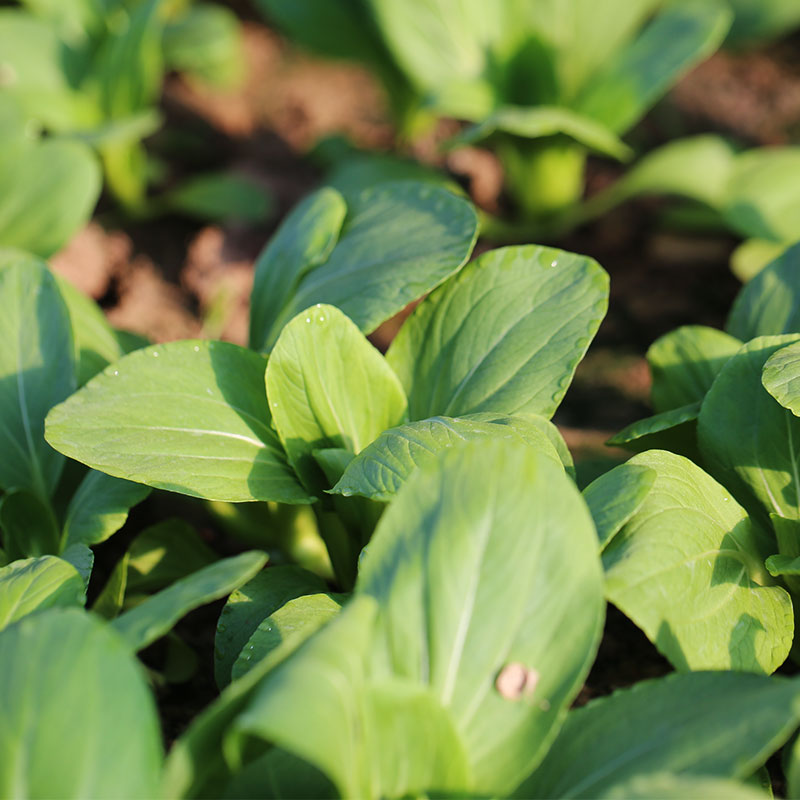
(516, 681)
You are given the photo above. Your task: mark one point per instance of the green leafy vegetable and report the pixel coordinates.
(691, 540)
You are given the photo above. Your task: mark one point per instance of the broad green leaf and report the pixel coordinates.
(684, 363)
(781, 377)
(96, 344)
(399, 241)
(386, 739)
(34, 584)
(383, 467)
(206, 42)
(539, 121)
(762, 198)
(704, 725)
(220, 197)
(302, 616)
(329, 387)
(752, 255)
(748, 440)
(303, 242)
(616, 496)
(112, 597)
(74, 701)
(761, 19)
(47, 192)
(29, 525)
(770, 303)
(680, 36)
(691, 540)
(697, 167)
(188, 416)
(250, 604)
(505, 335)
(151, 619)
(164, 553)
(37, 370)
(674, 430)
(99, 508)
(450, 617)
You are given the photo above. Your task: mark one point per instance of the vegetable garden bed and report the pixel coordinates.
(372, 543)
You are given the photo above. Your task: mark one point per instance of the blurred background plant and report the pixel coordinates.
(91, 71)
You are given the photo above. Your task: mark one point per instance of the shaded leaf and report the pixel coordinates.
(53, 743)
(616, 496)
(165, 552)
(99, 508)
(700, 725)
(37, 370)
(299, 617)
(151, 619)
(248, 605)
(770, 302)
(399, 241)
(684, 363)
(748, 440)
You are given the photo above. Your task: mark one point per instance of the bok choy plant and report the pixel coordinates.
(53, 511)
(491, 351)
(753, 193)
(48, 188)
(725, 404)
(544, 83)
(440, 675)
(92, 72)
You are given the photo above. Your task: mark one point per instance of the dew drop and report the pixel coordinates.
(322, 319)
(116, 372)
(554, 263)
(197, 348)
(155, 354)
(251, 647)
(319, 305)
(308, 319)
(275, 405)
(208, 391)
(247, 657)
